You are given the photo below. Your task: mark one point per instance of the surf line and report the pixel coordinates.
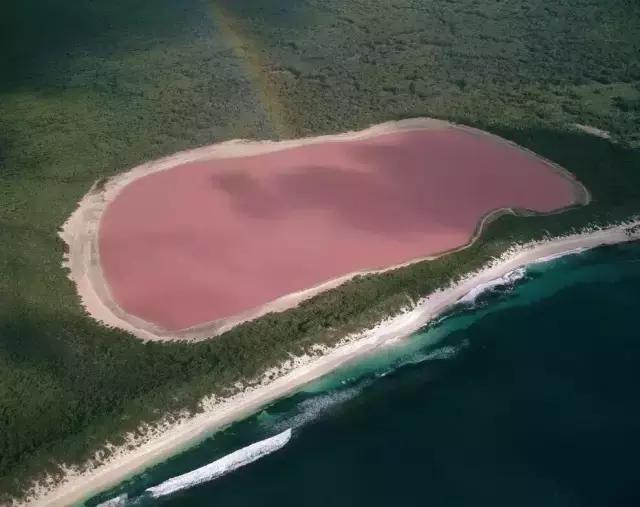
(222, 466)
(512, 277)
(255, 66)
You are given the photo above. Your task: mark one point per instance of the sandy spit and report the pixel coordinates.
(169, 438)
(80, 232)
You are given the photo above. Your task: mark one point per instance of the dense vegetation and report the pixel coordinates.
(90, 88)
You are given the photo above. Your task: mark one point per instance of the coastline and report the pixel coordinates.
(79, 486)
(80, 231)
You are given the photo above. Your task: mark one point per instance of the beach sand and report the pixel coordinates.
(78, 486)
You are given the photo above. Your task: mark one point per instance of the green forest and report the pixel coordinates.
(91, 88)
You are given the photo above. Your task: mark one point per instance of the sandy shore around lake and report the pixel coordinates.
(80, 232)
(171, 438)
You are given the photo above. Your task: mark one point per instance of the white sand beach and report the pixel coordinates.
(171, 438)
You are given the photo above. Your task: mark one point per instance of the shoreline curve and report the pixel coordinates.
(138, 454)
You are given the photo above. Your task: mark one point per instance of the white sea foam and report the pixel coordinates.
(549, 258)
(222, 466)
(441, 353)
(312, 408)
(507, 279)
(446, 352)
(118, 501)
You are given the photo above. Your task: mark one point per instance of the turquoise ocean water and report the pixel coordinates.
(527, 396)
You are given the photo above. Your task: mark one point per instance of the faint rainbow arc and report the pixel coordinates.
(246, 51)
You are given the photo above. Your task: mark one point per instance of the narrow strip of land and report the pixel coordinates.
(125, 462)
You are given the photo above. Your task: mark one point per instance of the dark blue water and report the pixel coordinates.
(529, 397)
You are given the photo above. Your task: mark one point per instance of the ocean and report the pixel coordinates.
(524, 395)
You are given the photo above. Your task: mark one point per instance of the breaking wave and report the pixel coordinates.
(310, 409)
(442, 353)
(446, 352)
(118, 501)
(554, 257)
(504, 281)
(222, 466)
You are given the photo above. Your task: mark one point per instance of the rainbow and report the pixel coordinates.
(247, 52)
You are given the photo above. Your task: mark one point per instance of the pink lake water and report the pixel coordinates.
(209, 240)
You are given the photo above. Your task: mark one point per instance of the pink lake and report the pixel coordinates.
(209, 240)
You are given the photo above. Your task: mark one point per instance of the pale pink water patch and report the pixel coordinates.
(208, 240)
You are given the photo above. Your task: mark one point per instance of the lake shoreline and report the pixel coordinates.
(85, 261)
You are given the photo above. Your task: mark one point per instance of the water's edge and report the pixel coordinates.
(345, 383)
